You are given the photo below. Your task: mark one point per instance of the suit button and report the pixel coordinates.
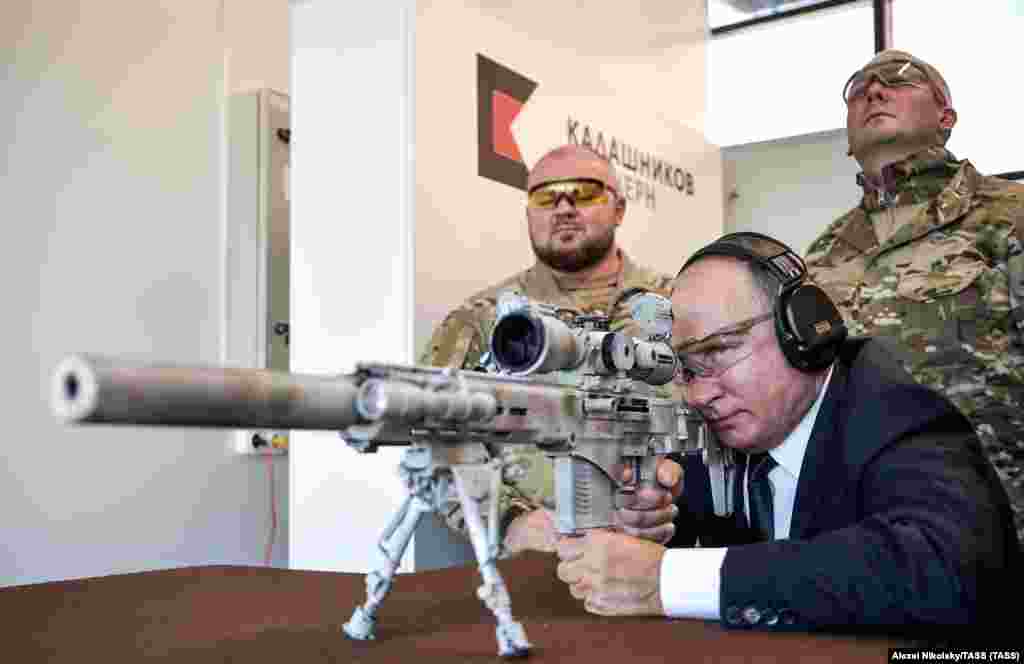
(751, 615)
(769, 617)
(732, 615)
(787, 616)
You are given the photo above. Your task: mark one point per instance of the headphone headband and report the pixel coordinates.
(776, 257)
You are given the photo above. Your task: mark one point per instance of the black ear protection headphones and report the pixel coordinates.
(808, 325)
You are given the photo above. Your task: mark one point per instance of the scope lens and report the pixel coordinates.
(71, 387)
(517, 341)
(372, 401)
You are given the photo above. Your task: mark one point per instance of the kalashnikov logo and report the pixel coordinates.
(501, 94)
(637, 169)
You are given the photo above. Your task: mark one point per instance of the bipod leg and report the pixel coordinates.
(475, 483)
(392, 545)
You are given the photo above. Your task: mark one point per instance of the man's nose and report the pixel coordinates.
(875, 89)
(564, 204)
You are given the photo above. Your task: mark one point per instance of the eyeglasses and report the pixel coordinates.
(581, 192)
(713, 355)
(898, 73)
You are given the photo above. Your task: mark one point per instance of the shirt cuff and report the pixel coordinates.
(690, 582)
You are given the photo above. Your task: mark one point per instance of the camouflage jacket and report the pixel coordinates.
(463, 337)
(938, 271)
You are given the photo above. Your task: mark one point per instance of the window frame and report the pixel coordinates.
(882, 10)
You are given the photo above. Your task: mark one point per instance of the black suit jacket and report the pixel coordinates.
(899, 522)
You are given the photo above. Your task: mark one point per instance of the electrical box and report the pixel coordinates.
(259, 134)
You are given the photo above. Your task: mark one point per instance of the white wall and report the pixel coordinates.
(112, 195)
(791, 188)
(785, 78)
(352, 256)
(257, 55)
(975, 70)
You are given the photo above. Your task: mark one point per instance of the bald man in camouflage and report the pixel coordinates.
(574, 206)
(931, 260)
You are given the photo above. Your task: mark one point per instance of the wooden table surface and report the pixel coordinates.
(255, 614)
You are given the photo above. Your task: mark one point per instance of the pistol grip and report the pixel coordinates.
(584, 496)
(646, 470)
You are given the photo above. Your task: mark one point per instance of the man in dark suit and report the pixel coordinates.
(869, 503)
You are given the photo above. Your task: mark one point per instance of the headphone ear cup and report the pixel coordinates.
(809, 326)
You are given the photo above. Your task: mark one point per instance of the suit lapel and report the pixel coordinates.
(817, 471)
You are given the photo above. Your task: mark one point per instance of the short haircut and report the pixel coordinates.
(766, 283)
(573, 148)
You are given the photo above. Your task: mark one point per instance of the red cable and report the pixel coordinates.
(269, 454)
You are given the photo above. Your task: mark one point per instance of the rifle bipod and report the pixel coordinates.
(474, 484)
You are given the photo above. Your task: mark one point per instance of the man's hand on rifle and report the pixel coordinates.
(613, 574)
(616, 575)
(646, 514)
(532, 531)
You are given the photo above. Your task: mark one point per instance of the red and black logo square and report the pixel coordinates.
(501, 94)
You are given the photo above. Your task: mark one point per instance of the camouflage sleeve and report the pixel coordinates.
(818, 249)
(1015, 277)
(1000, 429)
(457, 342)
(527, 484)
(831, 268)
(528, 481)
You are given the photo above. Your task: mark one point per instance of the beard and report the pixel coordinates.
(590, 252)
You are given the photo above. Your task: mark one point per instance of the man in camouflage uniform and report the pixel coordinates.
(573, 210)
(932, 258)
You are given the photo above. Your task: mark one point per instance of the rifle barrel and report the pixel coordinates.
(97, 389)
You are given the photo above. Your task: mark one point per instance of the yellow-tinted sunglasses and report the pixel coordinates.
(581, 192)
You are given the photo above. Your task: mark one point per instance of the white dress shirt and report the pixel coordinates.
(691, 578)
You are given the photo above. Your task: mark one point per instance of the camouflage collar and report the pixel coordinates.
(633, 276)
(946, 205)
(916, 179)
(540, 279)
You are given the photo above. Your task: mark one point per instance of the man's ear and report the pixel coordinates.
(948, 119)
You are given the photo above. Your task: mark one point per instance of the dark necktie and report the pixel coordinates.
(761, 511)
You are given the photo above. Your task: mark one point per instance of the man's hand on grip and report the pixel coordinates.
(532, 531)
(648, 513)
